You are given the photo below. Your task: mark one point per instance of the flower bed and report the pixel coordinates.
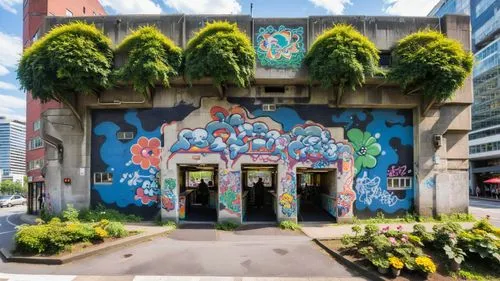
(58, 235)
(391, 251)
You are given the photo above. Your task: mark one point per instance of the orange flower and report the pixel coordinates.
(146, 152)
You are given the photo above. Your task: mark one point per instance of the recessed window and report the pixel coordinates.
(399, 183)
(125, 135)
(274, 89)
(103, 178)
(35, 164)
(37, 125)
(35, 143)
(69, 13)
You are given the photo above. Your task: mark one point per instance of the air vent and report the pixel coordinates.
(269, 107)
(274, 89)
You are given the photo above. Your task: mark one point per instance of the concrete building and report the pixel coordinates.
(12, 149)
(142, 156)
(485, 135)
(34, 13)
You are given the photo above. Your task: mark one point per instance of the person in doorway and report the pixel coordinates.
(203, 193)
(493, 192)
(478, 191)
(259, 193)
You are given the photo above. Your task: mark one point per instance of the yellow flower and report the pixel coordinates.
(101, 232)
(396, 262)
(426, 264)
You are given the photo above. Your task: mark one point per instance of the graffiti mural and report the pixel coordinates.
(169, 196)
(281, 47)
(288, 199)
(230, 191)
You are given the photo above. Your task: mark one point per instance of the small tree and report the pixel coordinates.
(151, 58)
(74, 58)
(342, 57)
(224, 53)
(429, 63)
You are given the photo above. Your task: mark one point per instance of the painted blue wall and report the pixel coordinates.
(383, 139)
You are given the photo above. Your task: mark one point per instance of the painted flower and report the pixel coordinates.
(366, 149)
(146, 152)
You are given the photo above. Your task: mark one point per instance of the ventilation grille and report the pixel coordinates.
(269, 107)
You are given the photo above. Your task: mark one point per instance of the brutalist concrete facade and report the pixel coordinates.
(281, 120)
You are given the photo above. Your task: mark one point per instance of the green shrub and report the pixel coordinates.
(226, 226)
(70, 214)
(151, 58)
(74, 58)
(220, 51)
(342, 57)
(101, 213)
(429, 63)
(289, 225)
(424, 236)
(116, 229)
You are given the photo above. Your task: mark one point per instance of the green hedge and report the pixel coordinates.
(151, 58)
(75, 58)
(220, 51)
(429, 63)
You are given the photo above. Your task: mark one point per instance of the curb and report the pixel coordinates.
(136, 239)
(484, 199)
(338, 257)
(28, 219)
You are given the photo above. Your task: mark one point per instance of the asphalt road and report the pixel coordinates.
(9, 219)
(482, 208)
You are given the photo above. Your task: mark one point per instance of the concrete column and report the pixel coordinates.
(286, 195)
(230, 207)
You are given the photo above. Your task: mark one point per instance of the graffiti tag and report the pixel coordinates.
(369, 190)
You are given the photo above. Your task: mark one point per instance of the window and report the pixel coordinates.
(399, 183)
(35, 143)
(103, 178)
(35, 164)
(35, 36)
(36, 125)
(25, 3)
(125, 135)
(69, 13)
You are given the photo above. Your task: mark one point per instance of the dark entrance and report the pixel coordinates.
(315, 189)
(36, 197)
(198, 193)
(259, 193)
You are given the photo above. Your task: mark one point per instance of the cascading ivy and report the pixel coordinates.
(75, 58)
(342, 57)
(220, 51)
(429, 63)
(151, 58)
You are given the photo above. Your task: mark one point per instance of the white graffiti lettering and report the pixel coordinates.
(369, 189)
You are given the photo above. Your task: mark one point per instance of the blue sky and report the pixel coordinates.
(12, 100)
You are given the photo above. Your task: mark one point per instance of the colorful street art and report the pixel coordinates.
(288, 198)
(430, 182)
(169, 196)
(281, 47)
(380, 146)
(230, 191)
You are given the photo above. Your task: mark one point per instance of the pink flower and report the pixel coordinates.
(399, 228)
(392, 240)
(385, 229)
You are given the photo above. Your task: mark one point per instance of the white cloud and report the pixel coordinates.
(10, 51)
(335, 7)
(7, 86)
(13, 107)
(409, 7)
(3, 70)
(8, 5)
(205, 6)
(132, 6)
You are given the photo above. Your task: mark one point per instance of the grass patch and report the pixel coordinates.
(171, 224)
(226, 226)
(289, 225)
(478, 271)
(102, 213)
(410, 218)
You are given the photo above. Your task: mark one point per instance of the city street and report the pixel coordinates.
(482, 208)
(9, 219)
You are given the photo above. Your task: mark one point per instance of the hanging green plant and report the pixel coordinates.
(224, 53)
(152, 58)
(342, 57)
(74, 58)
(429, 63)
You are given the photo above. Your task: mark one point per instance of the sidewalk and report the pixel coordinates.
(338, 230)
(26, 277)
(484, 199)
